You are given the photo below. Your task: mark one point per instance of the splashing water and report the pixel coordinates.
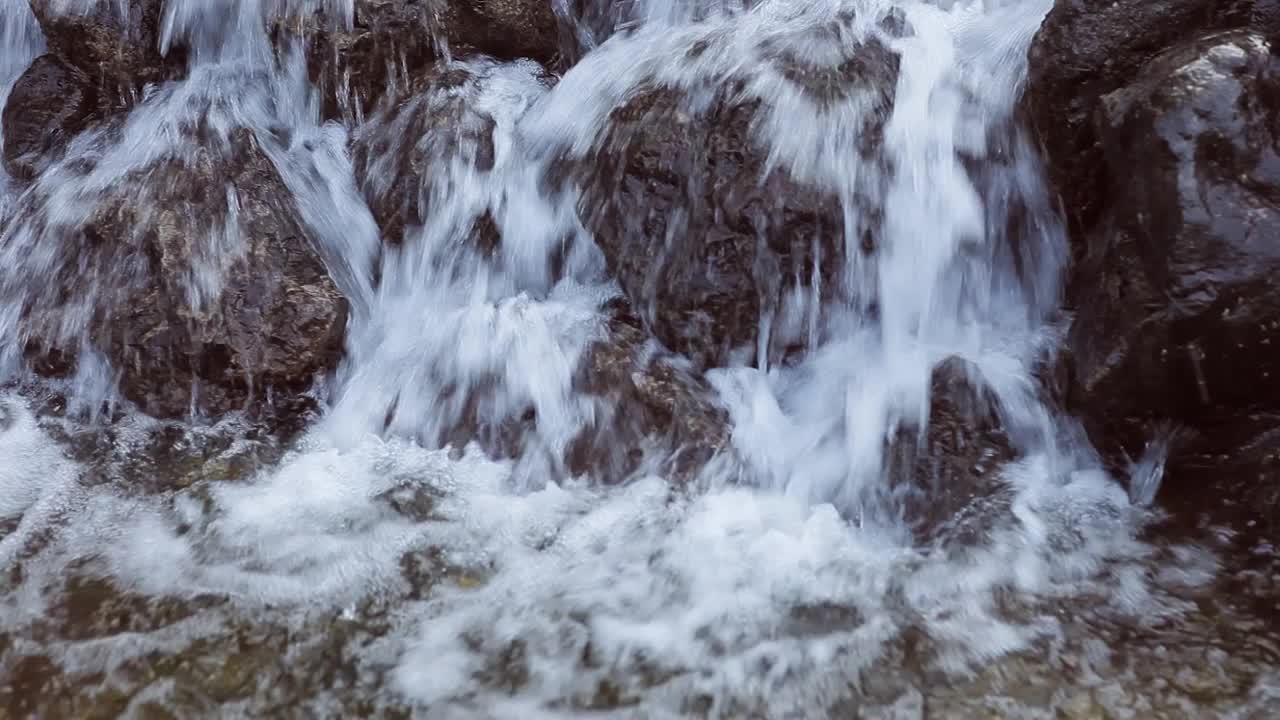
(787, 570)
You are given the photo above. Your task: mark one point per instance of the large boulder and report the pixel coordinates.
(391, 44)
(1161, 138)
(419, 161)
(192, 274)
(353, 61)
(704, 224)
(1182, 308)
(504, 29)
(105, 37)
(1086, 49)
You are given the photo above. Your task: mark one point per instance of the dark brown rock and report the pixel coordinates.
(1159, 124)
(1088, 48)
(197, 308)
(700, 232)
(117, 44)
(584, 24)
(393, 44)
(504, 29)
(403, 151)
(100, 57)
(1178, 314)
(948, 477)
(650, 403)
(388, 43)
(49, 104)
(1227, 473)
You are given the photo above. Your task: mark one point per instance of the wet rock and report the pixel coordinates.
(439, 137)
(49, 104)
(403, 153)
(650, 404)
(266, 666)
(423, 570)
(1228, 473)
(92, 607)
(35, 686)
(116, 43)
(385, 45)
(703, 232)
(822, 619)
(1158, 124)
(194, 276)
(388, 45)
(279, 319)
(584, 24)
(116, 38)
(411, 501)
(1177, 315)
(504, 29)
(948, 477)
(101, 55)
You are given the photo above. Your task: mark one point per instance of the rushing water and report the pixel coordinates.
(789, 571)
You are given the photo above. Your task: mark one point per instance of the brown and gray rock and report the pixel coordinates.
(105, 37)
(388, 43)
(504, 29)
(649, 402)
(100, 57)
(701, 232)
(949, 477)
(194, 277)
(402, 154)
(117, 44)
(49, 104)
(392, 45)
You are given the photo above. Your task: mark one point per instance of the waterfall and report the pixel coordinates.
(666, 590)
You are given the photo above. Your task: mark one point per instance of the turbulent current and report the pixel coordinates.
(787, 576)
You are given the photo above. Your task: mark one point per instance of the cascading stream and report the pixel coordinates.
(653, 593)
